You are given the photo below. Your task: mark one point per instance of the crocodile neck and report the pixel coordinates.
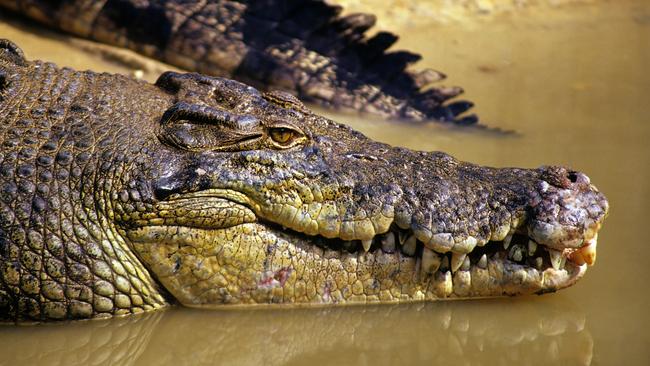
(62, 257)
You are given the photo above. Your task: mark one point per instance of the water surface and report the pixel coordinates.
(573, 84)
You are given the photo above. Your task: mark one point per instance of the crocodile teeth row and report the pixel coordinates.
(518, 253)
(444, 254)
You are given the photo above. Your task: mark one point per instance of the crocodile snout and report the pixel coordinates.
(567, 213)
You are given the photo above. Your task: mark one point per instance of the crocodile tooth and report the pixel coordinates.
(430, 260)
(506, 241)
(500, 233)
(388, 243)
(589, 253)
(409, 245)
(586, 254)
(466, 264)
(402, 236)
(556, 258)
(366, 244)
(532, 247)
(457, 260)
(538, 262)
(482, 263)
(592, 232)
(516, 253)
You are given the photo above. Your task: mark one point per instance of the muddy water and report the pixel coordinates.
(573, 84)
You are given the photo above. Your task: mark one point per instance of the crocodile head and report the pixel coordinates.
(252, 199)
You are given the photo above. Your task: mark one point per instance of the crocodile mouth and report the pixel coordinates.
(517, 254)
(516, 247)
(512, 264)
(516, 250)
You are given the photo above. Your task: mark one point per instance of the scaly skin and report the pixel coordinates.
(119, 196)
(303, 47)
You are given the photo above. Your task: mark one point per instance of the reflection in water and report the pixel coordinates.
(117, 341)
(480, 332)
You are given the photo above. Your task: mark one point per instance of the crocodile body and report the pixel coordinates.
(119, 196)
(303, 47)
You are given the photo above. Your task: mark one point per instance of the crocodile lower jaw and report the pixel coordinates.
(258, 263)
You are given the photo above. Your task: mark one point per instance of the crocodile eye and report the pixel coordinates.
(283, 136)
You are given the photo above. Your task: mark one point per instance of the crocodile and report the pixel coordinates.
(118, 196)
(306, 48)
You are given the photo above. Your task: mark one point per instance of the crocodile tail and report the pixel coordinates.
(305, 47)
(329, 59)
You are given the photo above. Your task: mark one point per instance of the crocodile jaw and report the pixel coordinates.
(254, 264)
(269, 230)
(247, 261)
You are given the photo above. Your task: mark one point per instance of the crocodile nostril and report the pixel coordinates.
(573, 177)
(579, 178)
